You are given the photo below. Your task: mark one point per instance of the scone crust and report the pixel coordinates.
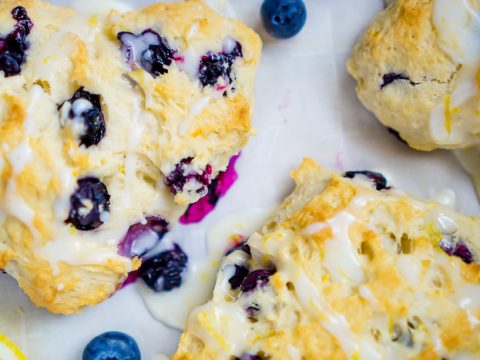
(403, 40)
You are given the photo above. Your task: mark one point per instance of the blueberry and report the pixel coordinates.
(397, 135)
(85, 109)
(457, 248)
(257, 278)
(218, 188)
(148, 50)
(163, 272)
(183, 174)
(378, 179)
(219, 66)
(240, 247)
(14, 46)
(392, 77)
(239, 275)
(283, 18)
(141, 238)
(112, 345)
(87, 204)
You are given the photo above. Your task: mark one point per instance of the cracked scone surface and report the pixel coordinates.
(415, 72)
(345, 271)
(100, 130)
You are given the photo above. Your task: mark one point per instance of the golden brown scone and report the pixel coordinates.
(346, 271)
(416, 70)
(101, 129)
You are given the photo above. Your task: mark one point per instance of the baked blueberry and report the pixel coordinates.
(112, 345)
(283, 18)
(238, 277)
(84, 112)
(457, 248)
(216, 68)
(88, 204)
(148, 50)
(184, 174)
(392, 77)
(218, 188)
(378, 179)
(164, 271)
(14, 46)
(142, 237)
(257, 278)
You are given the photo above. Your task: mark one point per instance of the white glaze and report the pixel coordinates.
(195, 109)
(446, 197)
(409, 267)
(458, 27)
(20, 156)
(468, 298)
(341, 258)
(99, 7)
(446, 224)
(173, 307)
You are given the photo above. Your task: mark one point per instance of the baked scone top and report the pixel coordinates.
(104, 126)
(345, 271)
(416, 69)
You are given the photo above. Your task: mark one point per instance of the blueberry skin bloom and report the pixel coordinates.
(283, 18)
(112, 345)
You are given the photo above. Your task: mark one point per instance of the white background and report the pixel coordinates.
(305, 106)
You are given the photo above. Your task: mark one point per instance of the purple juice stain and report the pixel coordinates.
(217, 189)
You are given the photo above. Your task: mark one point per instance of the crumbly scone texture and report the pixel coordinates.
(354, 273)
(403, 41)
(152, 124)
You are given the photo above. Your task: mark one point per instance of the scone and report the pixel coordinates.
(108, 124)
(416, 68)
(347, 269)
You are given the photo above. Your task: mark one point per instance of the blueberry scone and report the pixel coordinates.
(348, 268)
(110, 127)
(416, 68)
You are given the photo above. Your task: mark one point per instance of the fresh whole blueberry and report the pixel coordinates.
(257, 278)
(283, 18)
(238, 276)
(216, 68)
(112, 345)
(163, 272)
(88, 203)
(378, 179)
(14, 46)
(84, 110)
(142, 237)
(148, 50)
(184, 174)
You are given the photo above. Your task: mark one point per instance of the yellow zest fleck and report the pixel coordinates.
(448, 115)
(356, 356)
(391, 324)
(203, 320)
(93, 20)
(277, 281)
(325, 277)
(319, 312)
(214, 264)
(11, 348)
